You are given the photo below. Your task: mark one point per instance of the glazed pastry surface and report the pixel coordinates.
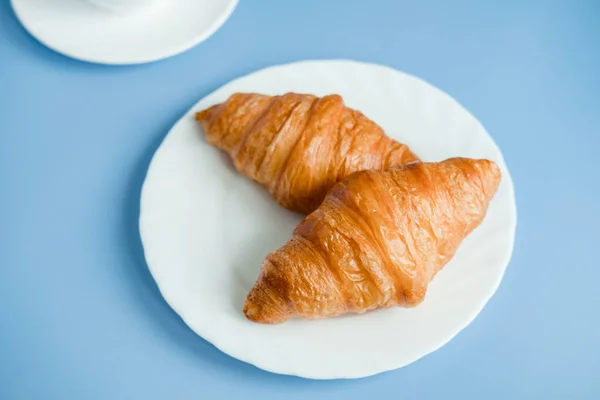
(377, 240)
(297, 145)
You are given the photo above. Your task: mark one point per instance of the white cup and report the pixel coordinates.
(123, 5)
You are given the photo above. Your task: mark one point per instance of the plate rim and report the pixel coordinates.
(174, 51)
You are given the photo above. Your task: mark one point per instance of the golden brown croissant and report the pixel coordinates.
(377, 240)
(298, 145)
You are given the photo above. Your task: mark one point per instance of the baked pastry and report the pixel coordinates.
(297, 145)
(377, 240)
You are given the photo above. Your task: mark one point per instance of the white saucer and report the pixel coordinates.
(206, 228)
(81, 30)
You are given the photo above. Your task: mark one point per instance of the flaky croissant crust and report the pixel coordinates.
(377, 240)
(298, 145)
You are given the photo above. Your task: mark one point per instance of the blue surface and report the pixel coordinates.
(80, 316)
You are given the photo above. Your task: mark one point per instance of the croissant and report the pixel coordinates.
(297, 145)
(377, 240)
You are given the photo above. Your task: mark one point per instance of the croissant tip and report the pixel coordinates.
(494, 168)
(491, 175)
(201, 115)
(259, 314)
(252, 312)
(487, 166)
(264, 306)
(206, 114)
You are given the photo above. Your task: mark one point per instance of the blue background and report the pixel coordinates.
(81, 317)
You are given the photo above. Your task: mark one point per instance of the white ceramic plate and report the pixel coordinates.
(206, 229)
(84, 31)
